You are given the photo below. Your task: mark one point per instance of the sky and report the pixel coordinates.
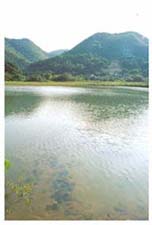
(62, 24)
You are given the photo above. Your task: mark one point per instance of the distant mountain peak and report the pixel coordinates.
(57, 52)
(101, 54)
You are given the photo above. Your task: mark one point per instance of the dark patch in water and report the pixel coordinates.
(63, 173)
(60, 184)
(63, 185)
(54, 164)
(120, 210)
(61, 196)
(54, 206)
(33, 180)
(68, 212)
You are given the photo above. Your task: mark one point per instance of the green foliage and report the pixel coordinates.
(64, 77)
(135, 78)
(16, 77)
(11, 68)
(22, 52)
(7, 164)
(13, 73)
(80, 83)
(96, 54)
(36, 77)
(20, 190)
(103, 56)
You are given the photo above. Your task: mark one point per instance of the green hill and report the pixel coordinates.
(12, 72)
(22, 52)
(99, 56)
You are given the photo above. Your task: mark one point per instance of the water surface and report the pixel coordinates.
(83, 150)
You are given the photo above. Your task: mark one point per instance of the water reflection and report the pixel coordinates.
(21, 104)
(107, 103)
(85, 151)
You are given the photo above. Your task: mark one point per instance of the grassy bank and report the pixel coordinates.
(78, 83)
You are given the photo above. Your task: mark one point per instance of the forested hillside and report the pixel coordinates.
(22, 52)
(101, 55)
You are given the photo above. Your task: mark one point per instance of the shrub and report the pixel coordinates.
(63, 77)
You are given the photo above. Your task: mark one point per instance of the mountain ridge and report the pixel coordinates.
(22, 52)
(95, 54)
(99, 56)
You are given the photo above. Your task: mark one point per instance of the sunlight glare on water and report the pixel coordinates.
(84, 150)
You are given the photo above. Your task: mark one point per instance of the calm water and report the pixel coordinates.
(84, 151)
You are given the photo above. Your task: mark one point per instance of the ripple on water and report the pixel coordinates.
(86, 147)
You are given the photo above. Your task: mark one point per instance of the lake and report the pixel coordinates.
(82, 153)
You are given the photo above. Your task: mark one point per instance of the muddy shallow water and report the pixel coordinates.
(84, 151)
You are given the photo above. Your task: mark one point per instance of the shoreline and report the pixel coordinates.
(78, 83)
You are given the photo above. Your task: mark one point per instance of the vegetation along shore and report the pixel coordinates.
(78, 83)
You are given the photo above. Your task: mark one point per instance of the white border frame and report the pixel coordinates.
(2, 141)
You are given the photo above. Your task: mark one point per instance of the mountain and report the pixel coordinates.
(22, 52)
(102, 54)
(10, 68)
(57, 52)
(12, 72)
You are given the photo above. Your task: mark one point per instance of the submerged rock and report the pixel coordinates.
(61, 196)
(61, 185)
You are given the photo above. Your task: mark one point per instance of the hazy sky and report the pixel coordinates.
(56, 24)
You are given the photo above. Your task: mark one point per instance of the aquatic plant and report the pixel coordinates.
(7, 164)
(20, 189)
